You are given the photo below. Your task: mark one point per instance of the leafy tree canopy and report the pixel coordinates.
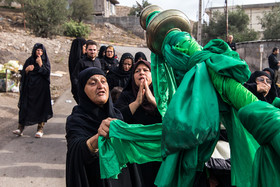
(81, 10)
(45, 17)
(237, 26)
(136, 9)
(271, 23)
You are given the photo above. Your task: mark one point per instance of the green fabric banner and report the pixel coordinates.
(262, 120)
(191, 122)
(186, 81)
(128, 143)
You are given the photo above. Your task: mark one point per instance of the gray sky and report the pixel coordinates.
(190, 7)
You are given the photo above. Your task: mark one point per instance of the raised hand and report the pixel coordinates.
(150, 97)
(39, 61)
(103, 129)
(263, 88)
(29, 68)
(139, 99)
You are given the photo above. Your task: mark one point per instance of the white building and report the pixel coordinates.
(254, 11)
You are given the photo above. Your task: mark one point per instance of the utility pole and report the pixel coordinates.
(199, 23)
(226, 13)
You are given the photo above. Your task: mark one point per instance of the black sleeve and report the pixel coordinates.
(110, 80)
(97, 63)
(252, 87)
(103, 65)
(79, 159)
(76, 72)
(273, 63)
(123, 105)
(44, 70)
(233, 47)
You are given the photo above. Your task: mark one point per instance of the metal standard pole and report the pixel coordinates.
(261, 54)
(199, 23)
(226, 20)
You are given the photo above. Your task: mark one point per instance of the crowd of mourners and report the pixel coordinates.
(107, 88)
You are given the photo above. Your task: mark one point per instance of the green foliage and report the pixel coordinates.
(75, 29)
(237, 26)
(271, 23)
(136, 9)
(81, 10)
(45, 17)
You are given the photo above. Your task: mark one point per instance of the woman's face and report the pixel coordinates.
(142, 72)
(110, 53)
(264, 83)
(39, 52)
(127, 64)
(97, 89)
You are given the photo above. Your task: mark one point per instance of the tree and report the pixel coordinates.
(237, 26)
(81, 10)
(45, 17)
(136, 9)
(271, 23)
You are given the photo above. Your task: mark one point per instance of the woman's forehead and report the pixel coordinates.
(97, 77)
(142, 65)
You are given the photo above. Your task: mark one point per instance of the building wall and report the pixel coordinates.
(128, 23)
(103, 8)
(122, 10)
(250, 52)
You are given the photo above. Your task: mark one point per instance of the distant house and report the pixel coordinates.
(104, 8)
(254, 11)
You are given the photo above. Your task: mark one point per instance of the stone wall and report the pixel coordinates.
(128, 23)
(250, 52)
(122, 10)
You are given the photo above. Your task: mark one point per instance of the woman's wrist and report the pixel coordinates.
(92, 143)
(134, 106)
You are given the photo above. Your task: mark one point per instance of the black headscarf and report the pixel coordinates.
(76, 53)
(274, 90)
(146, 104)
(256, 74)
(119, 70)
(87, 105)
(117, 77)
(251, 85)
(112, 60)
(138, 55)
(101, 51)
(271, 71)
(35, 98)
(82, 167)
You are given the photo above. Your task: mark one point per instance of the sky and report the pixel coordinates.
(190, 7)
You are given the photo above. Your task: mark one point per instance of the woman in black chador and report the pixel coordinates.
(89, 120)
(138, 106)
(119, 76)
(109, 61)
(260, 84)
(35, 98)
(77, 52)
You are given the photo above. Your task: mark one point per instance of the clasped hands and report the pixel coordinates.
(144, 90)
